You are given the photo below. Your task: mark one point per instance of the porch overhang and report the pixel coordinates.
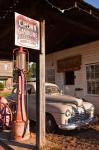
(68, 23)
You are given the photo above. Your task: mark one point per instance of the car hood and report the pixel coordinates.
(58, 98)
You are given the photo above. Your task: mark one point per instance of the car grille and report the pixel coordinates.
(79, 117)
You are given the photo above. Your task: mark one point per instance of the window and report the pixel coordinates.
(92, 76)
(50, 75)
(69, 78)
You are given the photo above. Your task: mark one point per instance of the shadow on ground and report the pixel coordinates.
(8, 143)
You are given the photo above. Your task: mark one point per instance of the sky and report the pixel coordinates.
(94, 3)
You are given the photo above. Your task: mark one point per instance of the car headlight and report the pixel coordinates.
(68, 113)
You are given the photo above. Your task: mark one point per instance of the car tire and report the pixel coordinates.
(51, 125)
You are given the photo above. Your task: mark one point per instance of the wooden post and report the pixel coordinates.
(40, 95)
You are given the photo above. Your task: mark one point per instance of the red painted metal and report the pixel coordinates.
(21, 124)
(5, 114)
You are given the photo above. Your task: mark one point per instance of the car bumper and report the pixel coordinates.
(79, 124)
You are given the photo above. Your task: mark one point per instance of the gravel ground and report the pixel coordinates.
(85, 139)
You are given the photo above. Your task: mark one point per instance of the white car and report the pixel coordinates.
(63, 111)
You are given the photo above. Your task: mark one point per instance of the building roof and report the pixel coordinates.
(68, 23)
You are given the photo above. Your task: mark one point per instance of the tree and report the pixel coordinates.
(32, 71)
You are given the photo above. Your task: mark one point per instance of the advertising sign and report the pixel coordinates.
(27, 32)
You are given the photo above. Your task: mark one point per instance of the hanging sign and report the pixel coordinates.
(27, 32)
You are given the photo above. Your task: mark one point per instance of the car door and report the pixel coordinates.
(31, 103)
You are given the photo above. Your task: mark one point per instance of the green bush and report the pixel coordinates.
(1, 86)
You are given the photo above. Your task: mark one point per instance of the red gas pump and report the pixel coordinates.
(21, 124)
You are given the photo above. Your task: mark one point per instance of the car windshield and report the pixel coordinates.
(52, 89)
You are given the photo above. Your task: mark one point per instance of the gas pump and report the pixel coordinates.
(21, 124)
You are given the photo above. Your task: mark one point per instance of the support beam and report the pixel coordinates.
(40, 95)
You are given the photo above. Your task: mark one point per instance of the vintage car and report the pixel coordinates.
(62, 111)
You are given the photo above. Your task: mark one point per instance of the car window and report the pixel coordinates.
(29, 87)
(52, 89)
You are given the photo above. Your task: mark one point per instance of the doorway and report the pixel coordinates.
(69, 82)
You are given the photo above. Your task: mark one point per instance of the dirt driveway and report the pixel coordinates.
(85, 139)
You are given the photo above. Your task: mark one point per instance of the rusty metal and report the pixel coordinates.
(5, 114)
(21, 124)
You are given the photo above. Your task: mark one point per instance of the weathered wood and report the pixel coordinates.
(40, 95)
(69, 63)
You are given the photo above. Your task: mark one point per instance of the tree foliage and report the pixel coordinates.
(1, 86)
(32, 71)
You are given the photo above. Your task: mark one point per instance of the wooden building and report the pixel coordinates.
(76, 71)
(71, 41)
(71, 32)
(6, 73)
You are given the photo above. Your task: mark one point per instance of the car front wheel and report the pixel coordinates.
(51, 125)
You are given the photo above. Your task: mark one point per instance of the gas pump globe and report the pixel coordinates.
(21, 124)
(21, 59)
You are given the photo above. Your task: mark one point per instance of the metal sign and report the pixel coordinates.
(27, 32)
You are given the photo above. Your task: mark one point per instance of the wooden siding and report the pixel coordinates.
(6, 69)
(90, 54)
